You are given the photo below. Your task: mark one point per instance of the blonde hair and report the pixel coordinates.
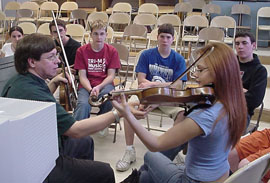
(98, 24)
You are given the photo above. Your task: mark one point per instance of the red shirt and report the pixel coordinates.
(96, 63)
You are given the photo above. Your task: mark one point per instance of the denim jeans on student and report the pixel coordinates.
(172, 153)
(158, 167)
(83, 108)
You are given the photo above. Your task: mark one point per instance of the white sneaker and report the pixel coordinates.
(104, 132)
(179, 159)
(128, 158)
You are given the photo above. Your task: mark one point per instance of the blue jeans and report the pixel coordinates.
(158, 168)
(172, 153)
(83, 108)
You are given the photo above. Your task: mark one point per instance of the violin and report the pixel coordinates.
(163, 95)
(64, 94)
(68, 93)
(167, 95)
(66, 97)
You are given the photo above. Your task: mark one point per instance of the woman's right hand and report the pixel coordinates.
(126, 109)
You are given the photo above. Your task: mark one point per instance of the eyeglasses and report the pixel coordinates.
(196, 69)
(200, 70)
(52, 58)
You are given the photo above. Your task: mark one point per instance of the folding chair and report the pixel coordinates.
(146, 8)
(28, 27)
(45, 12)
(263, 13)
(67, 7)
(76, 31)
(225, 23)
(241, 10)
(44, 29)
(252, 172)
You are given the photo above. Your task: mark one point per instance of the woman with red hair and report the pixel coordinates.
(210, 132)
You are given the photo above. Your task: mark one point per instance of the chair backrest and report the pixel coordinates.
(2, 26)
(252, 172)
(96, 16)
(24, 13)
(211, 34)
(223, 22)
(79, 14)
(135, 30)
(240, 9)
(118, 21)
(123, 53)
(12, 5)
(47, 7)
(134, 83)
(197, 4)
(67, 6)
(76, 31)
(122, 7)
(11, 10)
(119, 18)
(146, 20)
(148, 8)
(183, 7)
(2, 16)
(32, 6)
(211, 9)
(170, 18)
(110, 33)
(44, 29)
(264, 12)
(196, 21)
(28, 27)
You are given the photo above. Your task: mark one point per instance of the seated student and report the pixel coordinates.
(156, 67)
(215, 129)
(97, 63)
(250, 148)
(70, 45)
(254, 74)
(36, 60)
(15, 34)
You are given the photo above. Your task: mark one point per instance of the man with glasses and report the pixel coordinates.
(82, 148)
(97, 63)
(36, 60)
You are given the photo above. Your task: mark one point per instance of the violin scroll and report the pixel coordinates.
(96, 102)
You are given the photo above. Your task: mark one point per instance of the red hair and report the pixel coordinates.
(223, 65)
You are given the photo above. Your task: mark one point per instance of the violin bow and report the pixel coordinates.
(65, 56)
(204, 54)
